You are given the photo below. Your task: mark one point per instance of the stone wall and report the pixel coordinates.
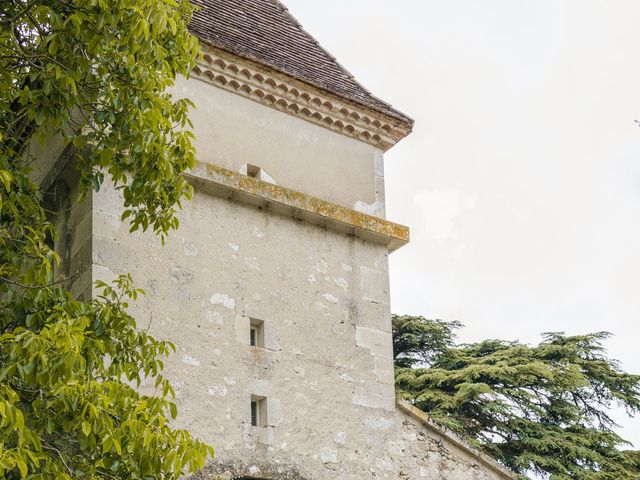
(326, 370)
(232, 131)
(321, 375)
(323, 297)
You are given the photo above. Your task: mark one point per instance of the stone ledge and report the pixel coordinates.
(227, 183)
(482, 458)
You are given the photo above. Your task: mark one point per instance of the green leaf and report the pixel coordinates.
(107, 443)
(75, 20)
(172, 25)
(5, 178)
(117, 446)
(22, 466)
(94, 82)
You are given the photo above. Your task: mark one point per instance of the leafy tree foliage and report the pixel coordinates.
(634, 457)
(417, 341)
(93, 73)
(540, 409)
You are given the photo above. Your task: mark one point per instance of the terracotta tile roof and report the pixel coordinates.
(264, 31)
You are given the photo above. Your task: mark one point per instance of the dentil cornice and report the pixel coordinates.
(296, 98)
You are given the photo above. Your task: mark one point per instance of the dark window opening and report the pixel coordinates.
(258, 411)
(254, 414)
(256, 333)
(253, 171)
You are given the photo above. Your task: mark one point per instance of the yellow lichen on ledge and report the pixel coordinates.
(225, 182)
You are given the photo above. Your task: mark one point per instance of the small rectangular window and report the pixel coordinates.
(258, 411)
(254, 413)
(256, 333)
(253, 171)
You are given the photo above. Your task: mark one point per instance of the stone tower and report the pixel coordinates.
(275, 288)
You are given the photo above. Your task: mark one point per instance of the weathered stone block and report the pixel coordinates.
(383, 370)
(242, 329)
(374, 395)
(106, 224)
(274, 412)
(271, 336)
(379, 343)
(374, 285)
(376, 316)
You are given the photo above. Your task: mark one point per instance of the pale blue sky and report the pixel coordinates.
(521, 181)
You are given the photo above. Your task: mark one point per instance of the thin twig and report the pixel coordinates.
(62, 280)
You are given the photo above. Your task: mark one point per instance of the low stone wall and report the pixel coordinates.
(434, 452)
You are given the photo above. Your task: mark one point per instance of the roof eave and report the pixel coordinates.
(273, 87)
